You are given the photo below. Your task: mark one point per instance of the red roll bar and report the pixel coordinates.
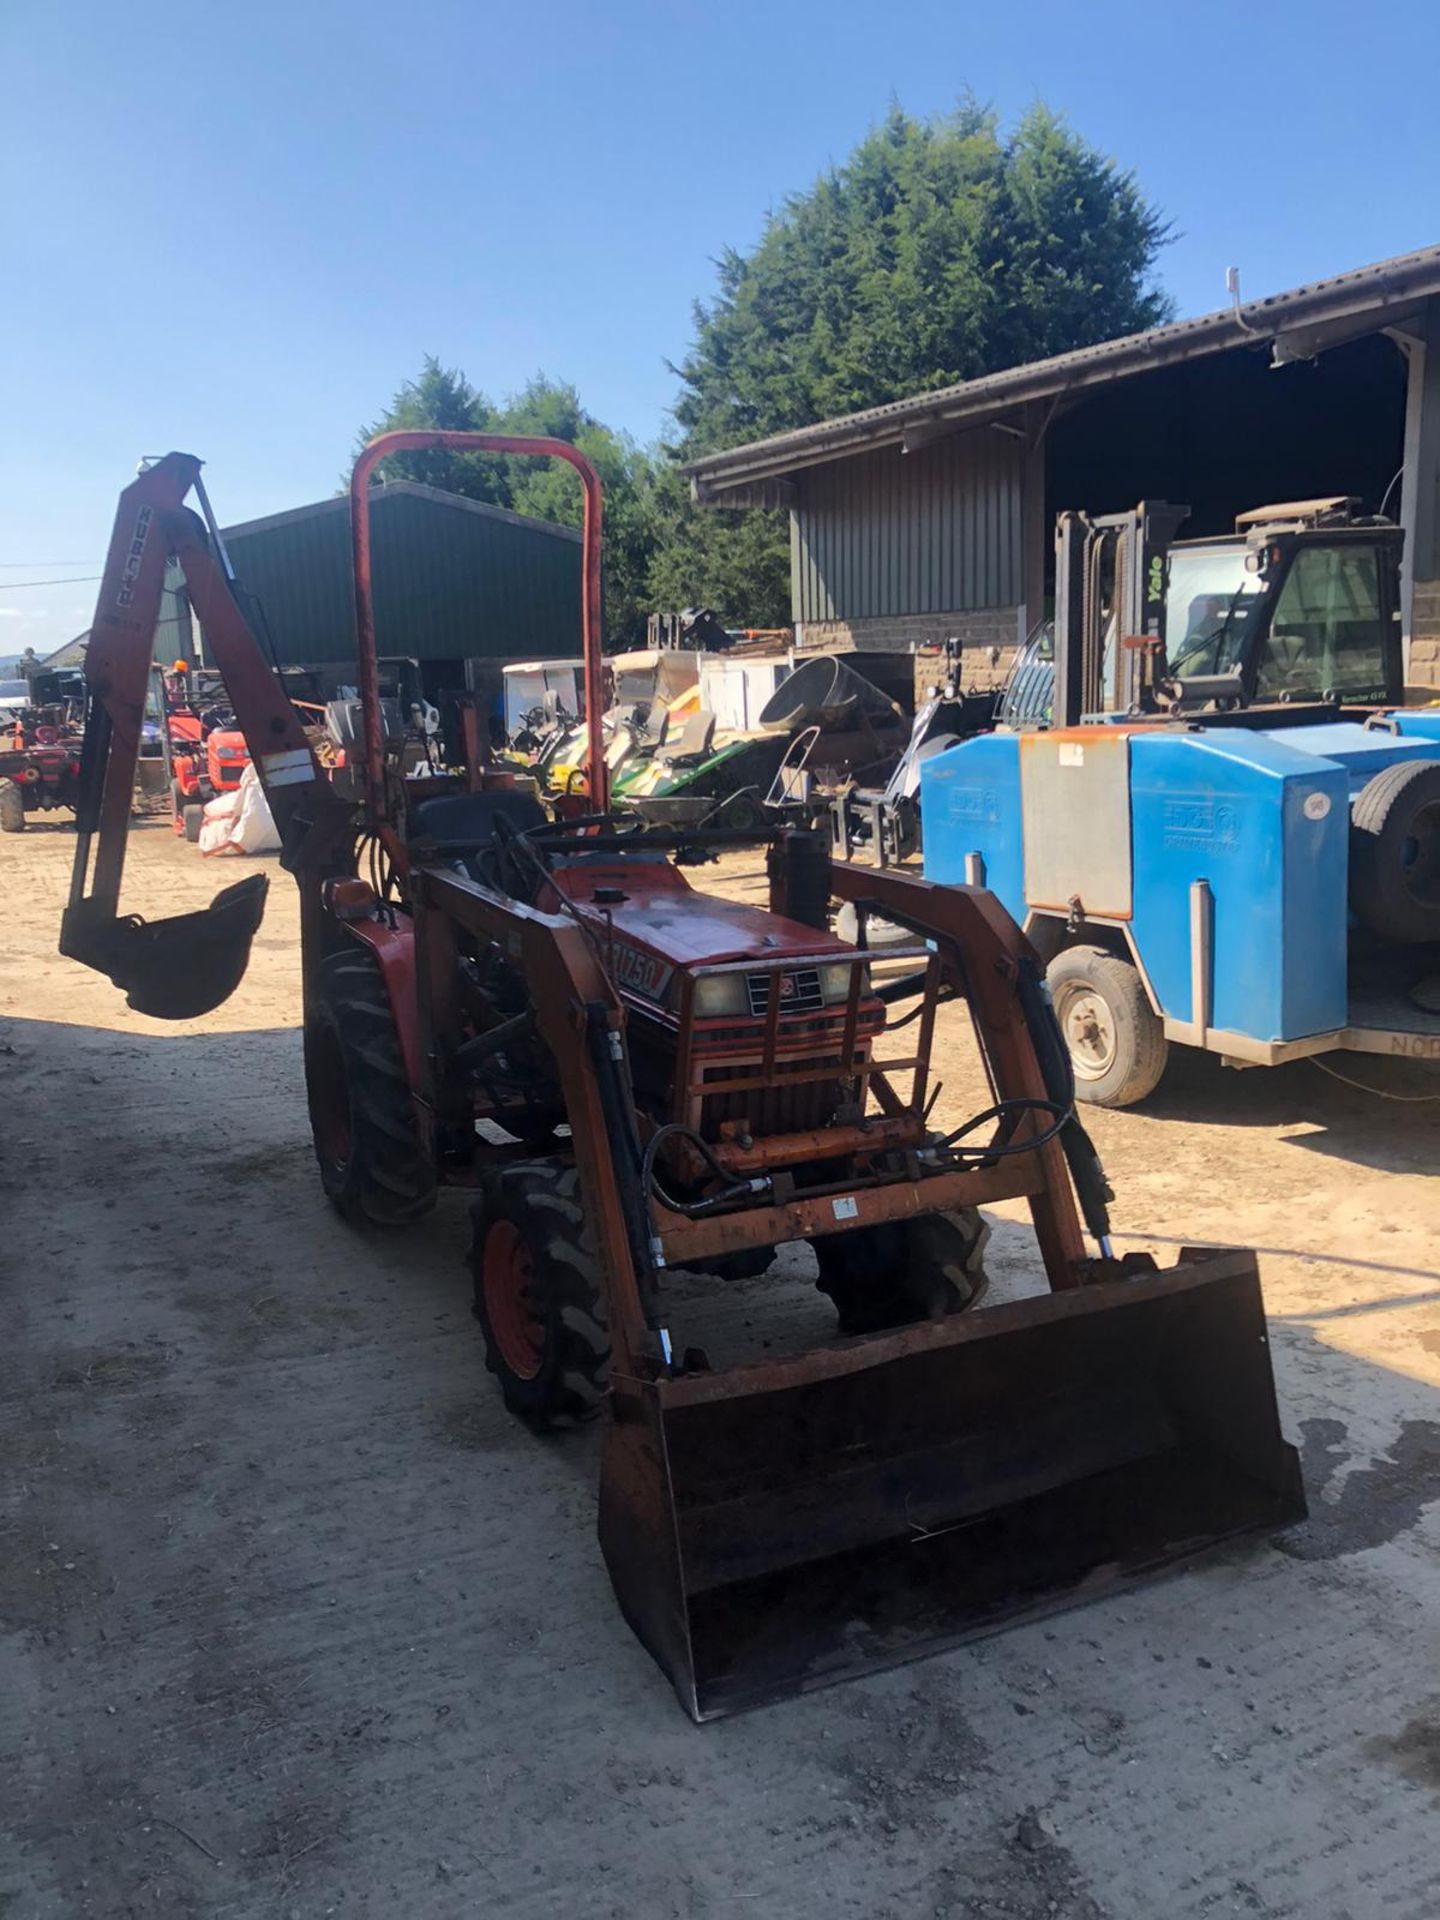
(418, 440)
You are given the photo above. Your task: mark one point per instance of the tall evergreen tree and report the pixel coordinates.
(941, 250)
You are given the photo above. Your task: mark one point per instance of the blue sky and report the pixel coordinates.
(236, 228)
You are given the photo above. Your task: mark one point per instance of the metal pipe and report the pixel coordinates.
(418, 440)
(216, 538)
(1202, 958)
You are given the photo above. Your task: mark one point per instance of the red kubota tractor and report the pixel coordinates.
(690, 1083)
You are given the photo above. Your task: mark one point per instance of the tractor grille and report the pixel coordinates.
(769, 1109)
(799, 991)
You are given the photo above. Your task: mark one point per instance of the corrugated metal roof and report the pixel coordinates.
(173, 632)
(454, 579)
(1382, 291)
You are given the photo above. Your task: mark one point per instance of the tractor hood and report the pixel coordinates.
(654, 910)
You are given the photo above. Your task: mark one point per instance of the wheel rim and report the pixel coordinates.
(1421, 856)
(329, 1099)
(1089, 1029)
(506, 1273)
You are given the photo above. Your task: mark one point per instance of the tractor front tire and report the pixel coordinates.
(12, 808)
(192, 819)
(367, 1143)
(900, 1272)
(539, 1296)
(1114, 1037)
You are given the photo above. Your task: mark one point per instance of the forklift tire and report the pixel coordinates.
(372, 1166)
(192, 818)
(539, 1296)
(900, 1272)
(1114, 1037)
(12, 808)
(1395, 853)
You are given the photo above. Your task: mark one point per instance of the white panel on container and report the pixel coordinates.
(1075, 792)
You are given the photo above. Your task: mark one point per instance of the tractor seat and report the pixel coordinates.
(456, 824)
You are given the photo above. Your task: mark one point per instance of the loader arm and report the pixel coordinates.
(178, 968)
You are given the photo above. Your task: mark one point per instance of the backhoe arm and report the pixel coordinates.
(175, 969)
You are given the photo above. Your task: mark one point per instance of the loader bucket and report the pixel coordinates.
(180, 968)
(777, 1527)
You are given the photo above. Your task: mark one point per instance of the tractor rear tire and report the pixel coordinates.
(900, 1272)
(539, 1295)
(1114, 1037)
(12, 808)
(1395, 853)
(372, 1165)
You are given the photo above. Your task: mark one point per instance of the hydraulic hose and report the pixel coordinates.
(693, 1209)
(1092, 1188)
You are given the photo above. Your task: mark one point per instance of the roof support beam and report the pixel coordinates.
(1308, 343)
(1420, 486)
(773, 495)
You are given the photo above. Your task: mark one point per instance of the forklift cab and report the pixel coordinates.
(1301, 604)
(1298, 609)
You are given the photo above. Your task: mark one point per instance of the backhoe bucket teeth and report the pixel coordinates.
(777, 1527)
(180, 968)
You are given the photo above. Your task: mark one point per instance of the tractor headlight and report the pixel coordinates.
(721, 995)
(835, 982)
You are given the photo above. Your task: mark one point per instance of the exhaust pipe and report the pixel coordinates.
(778, 1527)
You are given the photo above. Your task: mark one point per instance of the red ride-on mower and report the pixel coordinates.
(630, 1076)
(207, 749)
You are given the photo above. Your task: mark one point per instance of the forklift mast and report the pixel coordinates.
(1312, 621)
(1110, 570)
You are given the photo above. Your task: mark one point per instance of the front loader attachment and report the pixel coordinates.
(777, 1527)
(172, 969)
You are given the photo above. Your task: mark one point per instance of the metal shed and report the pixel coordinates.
(933, 516)
(454, 580)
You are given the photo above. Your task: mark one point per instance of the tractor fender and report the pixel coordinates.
(394, 949)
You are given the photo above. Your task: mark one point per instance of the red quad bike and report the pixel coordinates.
(630, 1076)
(39, 769)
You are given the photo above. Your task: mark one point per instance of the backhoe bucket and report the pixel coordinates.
(777, 1527)
(180, 968)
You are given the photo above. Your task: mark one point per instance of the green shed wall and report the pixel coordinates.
(891, 533)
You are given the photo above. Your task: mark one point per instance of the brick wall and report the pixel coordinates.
(1424, 668)
(987, 641)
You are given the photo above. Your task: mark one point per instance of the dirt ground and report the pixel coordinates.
(298, 1622)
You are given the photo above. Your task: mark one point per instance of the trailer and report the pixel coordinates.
(1247, 858)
